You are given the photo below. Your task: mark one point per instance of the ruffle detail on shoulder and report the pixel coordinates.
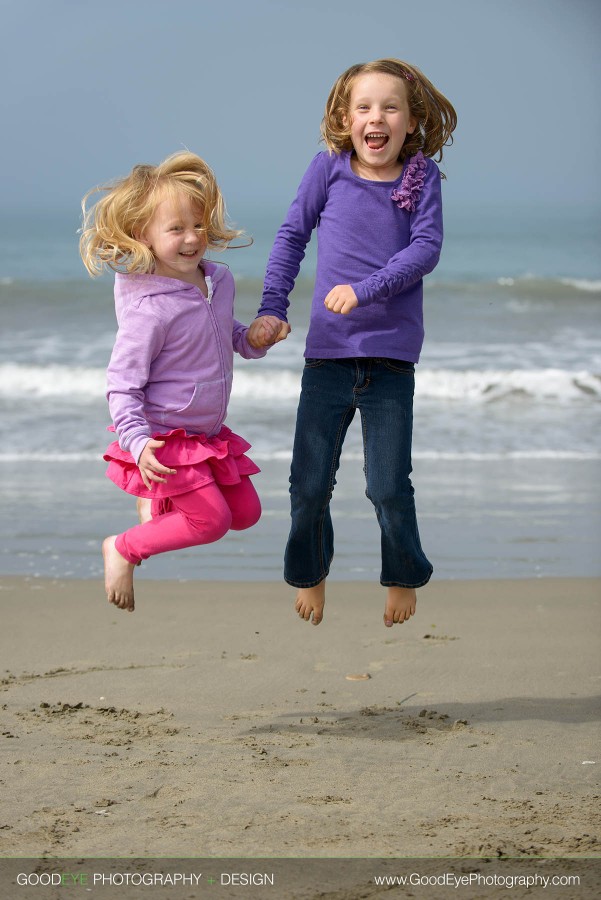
(407, 195)
(197, 459)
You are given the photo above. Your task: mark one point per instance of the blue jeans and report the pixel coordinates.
(332, 390)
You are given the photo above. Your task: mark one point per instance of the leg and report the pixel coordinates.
(247, 507)
(198, 517)
(144, 509)
(324, 414)
(387, 420)
(243, 502)
(118, 576)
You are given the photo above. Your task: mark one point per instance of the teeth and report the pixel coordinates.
(375, 134)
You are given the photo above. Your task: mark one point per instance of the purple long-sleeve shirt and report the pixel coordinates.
(172, 362)
(365, 239)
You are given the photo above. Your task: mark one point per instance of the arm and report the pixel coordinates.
(410, 265)
(291, 240)
(139, 341)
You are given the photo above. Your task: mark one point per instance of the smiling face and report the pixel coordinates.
(379, 121)
(176, 237)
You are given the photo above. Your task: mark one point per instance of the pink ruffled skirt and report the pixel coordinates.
(197, 459)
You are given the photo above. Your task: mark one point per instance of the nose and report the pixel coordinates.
(376, 114)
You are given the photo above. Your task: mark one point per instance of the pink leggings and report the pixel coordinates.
(197, 517)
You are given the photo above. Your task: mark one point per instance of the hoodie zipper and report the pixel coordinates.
(213, 319)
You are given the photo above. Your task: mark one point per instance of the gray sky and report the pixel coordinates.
(92, 87)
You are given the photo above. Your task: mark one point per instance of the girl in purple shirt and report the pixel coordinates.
(170, 373)
(374, 200)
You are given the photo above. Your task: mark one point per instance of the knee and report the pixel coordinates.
(310, 494)
(391, 498)
(247, 517)
(244, 504)
(213, 529)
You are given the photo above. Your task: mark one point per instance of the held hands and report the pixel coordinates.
(341, 299)
(149, 465)
(266, 331)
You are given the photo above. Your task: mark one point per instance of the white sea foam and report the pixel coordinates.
(583, 284)
(266, 384)
(468, 456)
(284, 456)
(472, 385)
(55, 456)
(537, 282)
(488, 385)
(51, 381)
(260, 384)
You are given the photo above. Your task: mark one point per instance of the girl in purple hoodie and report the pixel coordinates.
(170, 374)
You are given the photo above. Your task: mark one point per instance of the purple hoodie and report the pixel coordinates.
(172, 362)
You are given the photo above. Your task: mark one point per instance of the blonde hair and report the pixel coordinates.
(436, 117)
(111, 227)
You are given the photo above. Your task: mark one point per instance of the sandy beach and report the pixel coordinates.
(214, 722)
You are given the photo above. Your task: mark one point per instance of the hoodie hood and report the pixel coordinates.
(131, 289)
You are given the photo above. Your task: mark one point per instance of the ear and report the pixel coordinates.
(139, 236)
(412, 125)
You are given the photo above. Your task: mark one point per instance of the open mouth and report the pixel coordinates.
(375, 140)
(189, 253)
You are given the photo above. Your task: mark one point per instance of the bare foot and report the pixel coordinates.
(144, 508)
(400, 605)
(118, 576)
(310, 602)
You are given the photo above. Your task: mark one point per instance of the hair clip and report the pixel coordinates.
(408, 76)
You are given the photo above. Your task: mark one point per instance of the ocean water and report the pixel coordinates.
(507, 455)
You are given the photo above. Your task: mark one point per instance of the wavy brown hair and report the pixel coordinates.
(113, 225)
(436, 118)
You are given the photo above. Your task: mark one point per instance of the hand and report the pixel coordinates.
(341, 299)
(266, 331)
(283, 329)
(149, 465)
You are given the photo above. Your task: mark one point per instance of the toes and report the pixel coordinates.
(309, 606)
(302, 609)
(125, 602)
